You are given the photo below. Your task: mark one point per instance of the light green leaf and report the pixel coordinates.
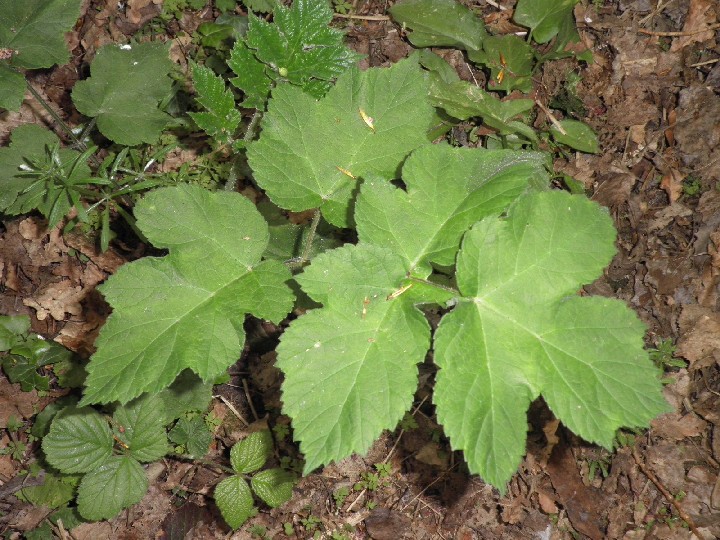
(250, 454)
(143, 430)
(511, 61)
(305, 145)
(351, 367)
(235, 501)
(578, 135)
(447, 190)
(118, 484)
(124, 90)
(186, 310)
(543, 17)
(79, 441)
(222, 118)
(274, 486)
(12, 88)
(440, 23)
(194, 434)
(519, 332)
(36, 30)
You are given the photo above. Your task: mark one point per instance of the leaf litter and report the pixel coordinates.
(654, 104)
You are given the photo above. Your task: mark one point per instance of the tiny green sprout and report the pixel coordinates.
(691, 186)
(340, 494)
(288, 528)
(281, 431)
(283, 72)
(408, 422)
(259, 531)
(384, 469)
(14, 423)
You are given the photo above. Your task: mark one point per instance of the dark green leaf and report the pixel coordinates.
(274, 486)
(250, 454)
(115, 485)
(79, 441)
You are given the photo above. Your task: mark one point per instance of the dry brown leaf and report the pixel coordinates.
(672, 183)
(15, 403)
(702, 13)
(676, 427)
(547, 503)
(699, 341)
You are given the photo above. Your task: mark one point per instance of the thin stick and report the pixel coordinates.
(705, 63)
(676, 34)
(362, 17)
(249, 399)
(654, 479)
(234, 410)
(551, 117)
(60, 121)
(496, 5)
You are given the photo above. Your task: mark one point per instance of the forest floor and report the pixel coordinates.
(653, 95)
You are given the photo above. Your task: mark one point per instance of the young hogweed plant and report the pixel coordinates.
(473, 230)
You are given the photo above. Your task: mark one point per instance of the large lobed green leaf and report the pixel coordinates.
(305, 145)
(36, 30)
(519, 331)
(124, 90)
(186, 310)
(351, 367)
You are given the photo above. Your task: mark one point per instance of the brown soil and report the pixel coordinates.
(653, 95)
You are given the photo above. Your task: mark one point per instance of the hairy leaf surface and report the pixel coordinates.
(79, 441)
(235, 500)
(447, 190)
(222, 118)
(351, 367)
(186, 310)
(124, 90)
(308, 149)
(519, 331)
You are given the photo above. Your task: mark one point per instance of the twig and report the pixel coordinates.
(496, 5)
(362, 17)
(551, 117)
(676, 504)
(249, 399)
(705, 63)
(676, 34)
(234, 410)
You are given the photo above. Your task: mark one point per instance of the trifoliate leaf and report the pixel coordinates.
(79, 441)
(447, 190)
(115, 485)
(311, 153)
(12, 88)
(140, 428)
(36, 30)
(30, 178)
(298, 47)
(440, 23)
(543, 17)
(351, 367)
(519, 331)
(124, 90)
(578, 135)
(274, 486)
(194, 434)
(235, 501)
(252, 452)
(186, 310)
(222, 118)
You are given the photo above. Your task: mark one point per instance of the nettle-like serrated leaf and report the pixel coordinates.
(12, 88)
(519, 331)
(186, 310)
(222, 118)
(79, 441)
(126, 85)
(30, 148)
(36, 30)
(252, 452)
(273, 486)
(440, 23)
(115, 485)
(543, 17)
(351, 367)
(308, 149)
(143, 433)
(447, 190)
(297, 47)
(235, 501)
